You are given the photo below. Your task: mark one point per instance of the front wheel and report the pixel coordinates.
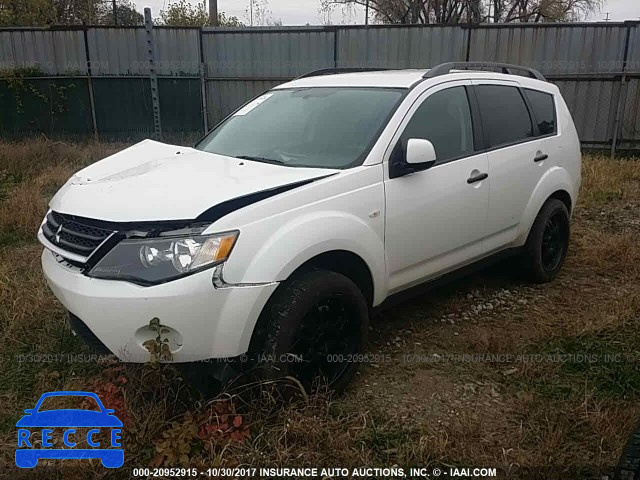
(315, 326)
(548, 243)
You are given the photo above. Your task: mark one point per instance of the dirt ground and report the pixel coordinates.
(539, 381)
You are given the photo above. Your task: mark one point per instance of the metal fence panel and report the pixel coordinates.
(267, 54)
(633, 56)
(631, 120)
(592, 106)
(224, 96)
(118, 51)
(53, 106)
(51, 52)
(178, 51)
(123, 107)
(400, 47)
(123, 51)
(554, 50)
(180, 104)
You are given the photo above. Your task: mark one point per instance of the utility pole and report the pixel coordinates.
(607, 19)
(115, 13)
(213, 13)
(366, 13)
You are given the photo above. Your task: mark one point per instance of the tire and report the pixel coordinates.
(629, 465)
(312, 327)
(548, 242)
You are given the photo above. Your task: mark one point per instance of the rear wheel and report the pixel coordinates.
(548, 243)
(315, 327)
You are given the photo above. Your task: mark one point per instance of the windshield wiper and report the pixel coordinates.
(260, 159)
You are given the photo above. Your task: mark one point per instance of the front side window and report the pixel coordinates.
(544, 110)
(505, 117)
(444, 119)
(333, 127)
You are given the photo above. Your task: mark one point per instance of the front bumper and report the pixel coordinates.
(200, 321)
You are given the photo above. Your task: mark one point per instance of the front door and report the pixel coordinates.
(436, 218)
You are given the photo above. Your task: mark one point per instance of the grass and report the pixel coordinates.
(527, 375)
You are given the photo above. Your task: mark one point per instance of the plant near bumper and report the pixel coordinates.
(158, 347)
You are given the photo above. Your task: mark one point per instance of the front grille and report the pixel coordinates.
(74, 234)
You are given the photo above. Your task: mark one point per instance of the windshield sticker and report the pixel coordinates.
(251, 105)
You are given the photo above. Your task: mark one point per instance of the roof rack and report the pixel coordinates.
(332, 71)
(445, 68)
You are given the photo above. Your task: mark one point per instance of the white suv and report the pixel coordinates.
(273, 238)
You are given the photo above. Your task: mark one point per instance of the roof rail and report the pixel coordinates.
(445, 68)
(332, 71)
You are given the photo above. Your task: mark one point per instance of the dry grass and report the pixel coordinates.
(517, 412)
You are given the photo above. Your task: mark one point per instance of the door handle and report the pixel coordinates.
(477, 178)
(540, 157)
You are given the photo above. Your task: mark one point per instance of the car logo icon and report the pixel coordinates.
(57, 235)
(44, 421)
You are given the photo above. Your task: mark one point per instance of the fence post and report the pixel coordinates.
(622, 96)
(153, 77)
(92, 101)
(336, 51)
(203, 84)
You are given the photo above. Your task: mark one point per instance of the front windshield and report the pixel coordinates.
(306, 127)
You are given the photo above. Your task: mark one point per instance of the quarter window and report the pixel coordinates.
(505, 117)
(544, 111)
(444, 119)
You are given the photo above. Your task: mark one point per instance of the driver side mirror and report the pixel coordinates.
(421, 153)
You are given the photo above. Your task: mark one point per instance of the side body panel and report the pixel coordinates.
(342, 212)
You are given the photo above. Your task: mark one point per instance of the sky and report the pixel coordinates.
(301, 12)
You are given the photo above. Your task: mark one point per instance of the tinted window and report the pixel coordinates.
(544, 111)
(505, 117)
(445, 120)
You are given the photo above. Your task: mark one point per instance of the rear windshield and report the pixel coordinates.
(331, 127)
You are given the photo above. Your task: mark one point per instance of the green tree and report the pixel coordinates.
(33, 13)
(126, 14)
(26, 12)
(183, 14)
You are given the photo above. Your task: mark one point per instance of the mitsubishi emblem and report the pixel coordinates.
(57, 237)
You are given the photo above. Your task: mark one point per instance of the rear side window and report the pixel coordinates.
(505, 117)
(544, 111)
(444, 119)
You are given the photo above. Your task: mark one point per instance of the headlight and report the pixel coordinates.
(158, 260)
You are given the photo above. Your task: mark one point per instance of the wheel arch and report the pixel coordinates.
(334, 241)
(564, 197)
(556, 183)
(345, 263)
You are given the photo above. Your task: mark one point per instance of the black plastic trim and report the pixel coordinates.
(338, 70)
(445, 69)
(477, 178)
(430, 284)
(88, 337)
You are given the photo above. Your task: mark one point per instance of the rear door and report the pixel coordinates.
(516, 157)
(436, 218)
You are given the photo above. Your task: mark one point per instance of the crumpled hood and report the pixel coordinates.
(153, 181)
